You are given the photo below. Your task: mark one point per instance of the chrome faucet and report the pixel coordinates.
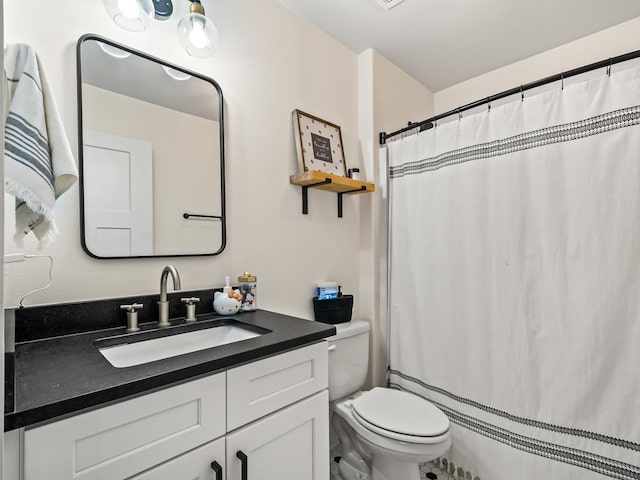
(163, 304)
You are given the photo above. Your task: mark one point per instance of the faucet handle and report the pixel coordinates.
(190, 316)
(131, 308)
(191, 308)
(132, 316)
(190, 301)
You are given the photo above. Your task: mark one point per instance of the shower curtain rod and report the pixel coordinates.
(429, 123)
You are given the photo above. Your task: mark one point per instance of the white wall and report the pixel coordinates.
(269, 62)
(389, 97)
(617, 40)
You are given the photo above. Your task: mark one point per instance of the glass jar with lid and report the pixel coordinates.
(247, 284)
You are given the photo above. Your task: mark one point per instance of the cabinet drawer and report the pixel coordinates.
(120, 440)
(259, 388)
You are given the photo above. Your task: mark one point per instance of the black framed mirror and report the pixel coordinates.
(151, 147)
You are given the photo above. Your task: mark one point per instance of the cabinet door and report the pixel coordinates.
(291, 444)
(195, 465)
(121, 440)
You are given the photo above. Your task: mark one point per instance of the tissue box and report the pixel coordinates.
(333, 310)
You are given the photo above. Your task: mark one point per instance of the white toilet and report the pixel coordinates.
(384, 433)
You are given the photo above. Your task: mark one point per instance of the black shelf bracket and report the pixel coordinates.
(305, 194)
(340, 194)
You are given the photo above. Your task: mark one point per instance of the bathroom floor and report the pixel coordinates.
(442, 469)
(438, 469)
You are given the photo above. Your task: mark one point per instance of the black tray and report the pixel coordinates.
(333, 310)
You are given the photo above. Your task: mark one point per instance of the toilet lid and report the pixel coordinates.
(400, 412)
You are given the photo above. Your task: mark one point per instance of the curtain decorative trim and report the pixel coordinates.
(525, 421)
(572, 456)
(606, 122)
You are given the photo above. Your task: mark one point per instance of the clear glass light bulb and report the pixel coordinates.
(132, 15)
(198, 36)
(129, 8)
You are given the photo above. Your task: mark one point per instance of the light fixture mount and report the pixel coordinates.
(196, 7)
(163, 9)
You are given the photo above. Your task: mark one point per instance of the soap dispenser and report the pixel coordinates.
(228, 301)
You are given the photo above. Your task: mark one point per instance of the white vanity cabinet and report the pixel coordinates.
(275, 411)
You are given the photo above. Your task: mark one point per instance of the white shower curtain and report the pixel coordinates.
(515, 281)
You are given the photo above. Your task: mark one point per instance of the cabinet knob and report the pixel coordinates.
(215, 466)
(244, 460)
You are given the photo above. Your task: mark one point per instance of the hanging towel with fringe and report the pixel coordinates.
(39, 165)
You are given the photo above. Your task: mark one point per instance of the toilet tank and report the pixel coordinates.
(348, 358)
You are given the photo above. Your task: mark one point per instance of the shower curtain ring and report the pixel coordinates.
(459, 115)
(562, 81)
(521, 93)
(609, 67)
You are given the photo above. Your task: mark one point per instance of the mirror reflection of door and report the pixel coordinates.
(118, 199)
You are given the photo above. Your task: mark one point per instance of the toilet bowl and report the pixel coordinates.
(395, 431)
(384, 433)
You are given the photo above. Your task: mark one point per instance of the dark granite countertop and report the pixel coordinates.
(62, 375)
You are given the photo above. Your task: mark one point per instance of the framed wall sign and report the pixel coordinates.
(319, 144)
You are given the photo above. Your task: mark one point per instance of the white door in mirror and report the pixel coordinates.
(118, 195)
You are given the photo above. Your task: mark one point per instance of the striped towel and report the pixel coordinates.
(39, 165)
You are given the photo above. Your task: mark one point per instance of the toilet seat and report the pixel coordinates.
(422, 450)
(400, 415)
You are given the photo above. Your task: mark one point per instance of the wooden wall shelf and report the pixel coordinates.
(332, 183)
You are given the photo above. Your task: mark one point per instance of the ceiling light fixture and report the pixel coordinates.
(163, 9)
(132, 15)
(198, 35)
(388, 4)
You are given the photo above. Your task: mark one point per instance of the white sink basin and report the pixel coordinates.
(138, 352)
